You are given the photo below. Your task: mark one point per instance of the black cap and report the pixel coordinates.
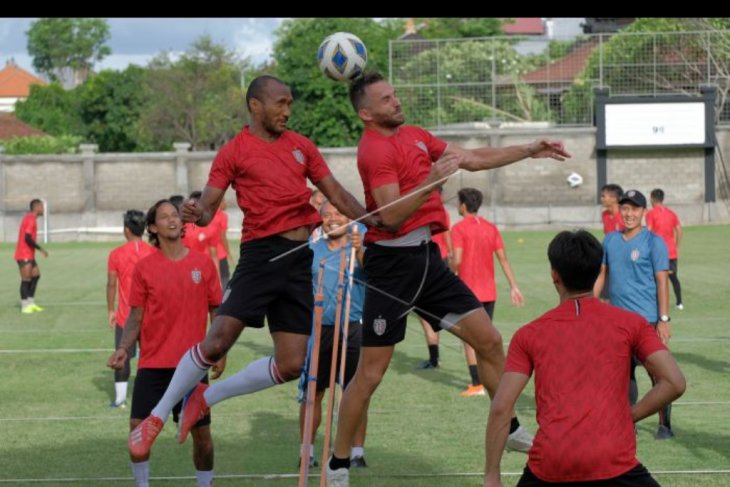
(634, 197)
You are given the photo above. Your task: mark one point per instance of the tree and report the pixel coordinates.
(322, 109)
(454, 28)
(110, 106)
(61, 46)
(52, 109)
(196, 99)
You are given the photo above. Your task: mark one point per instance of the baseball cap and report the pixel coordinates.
(634, 197)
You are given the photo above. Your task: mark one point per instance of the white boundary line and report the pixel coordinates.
(274, 476)
(57, 350)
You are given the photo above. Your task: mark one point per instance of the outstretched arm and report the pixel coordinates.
(493, 157)
(201, 212)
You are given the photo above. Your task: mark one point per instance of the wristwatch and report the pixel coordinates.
(665, 319)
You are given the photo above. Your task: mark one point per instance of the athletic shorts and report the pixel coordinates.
(401, 279)
(354, 337)
(673, 266)
(638, 476)
(132, 350)
(489, 308)
(224, 271)
(149, 386)
(280, 291)
(25, 262)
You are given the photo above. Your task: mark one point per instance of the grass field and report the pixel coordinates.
(55, 424)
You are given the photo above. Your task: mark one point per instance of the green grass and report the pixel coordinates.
(55, 423)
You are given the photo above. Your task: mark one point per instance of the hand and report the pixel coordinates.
(116, 361)
(664, 330)
(112, 318)
(443, 168)
(218, 368)
(516, 296)
(45, 253)
(356, 239)
(191, 211)
(552, 149)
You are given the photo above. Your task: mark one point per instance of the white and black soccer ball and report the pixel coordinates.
(574, 180)
(342, 56)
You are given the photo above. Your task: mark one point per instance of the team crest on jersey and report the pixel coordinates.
(635, 254)
(197, 276)
(422, 146)
(379, 326)
(298, 155)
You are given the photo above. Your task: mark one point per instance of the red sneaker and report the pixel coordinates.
(142, 437)
(193, 410)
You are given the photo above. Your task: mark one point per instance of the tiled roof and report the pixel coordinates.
(11, 127)
(523, 25)
(15, 81)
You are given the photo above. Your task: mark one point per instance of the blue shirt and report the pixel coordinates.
(632, 265)
(329, 285)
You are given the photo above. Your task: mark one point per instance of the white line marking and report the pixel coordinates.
(58, 350)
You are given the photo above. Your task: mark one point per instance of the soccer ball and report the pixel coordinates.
(342, 56)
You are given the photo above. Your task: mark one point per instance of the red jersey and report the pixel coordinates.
(662, 221)
(612, 222)
(270, 181)
(440, 238)
(405, 159)
(220, 224)
(201, 238)
(122, 261)
(581, 352)
(28, 225)
(175, 296)
(479, 239)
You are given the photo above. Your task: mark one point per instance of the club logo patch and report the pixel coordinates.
(298, 155)
(422, 146)
(635, 254)
(379, 326)
(197, 276)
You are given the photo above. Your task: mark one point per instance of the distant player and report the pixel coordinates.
(476, 241)
(219, 224)
(665, 223)
(25, 249)
(611, 217)
(173, 291)
(120, 267)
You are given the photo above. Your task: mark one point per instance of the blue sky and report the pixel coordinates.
(137, 40)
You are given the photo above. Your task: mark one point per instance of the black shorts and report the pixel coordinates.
(638, 476)
(280, 291)
(489, 308)
(401, 278)
(24, 262)
(224, 272)
(132, 350)
(673, 266)
(149, 386)
(354, 337)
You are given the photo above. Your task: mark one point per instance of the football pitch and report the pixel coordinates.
(56, 427)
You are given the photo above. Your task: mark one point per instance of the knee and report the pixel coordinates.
(290, 367)
(489, 343)
(367, 380)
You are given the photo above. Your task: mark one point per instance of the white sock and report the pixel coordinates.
(121, 390)
(187, 374)
(311, 451)
(357, 451)
(257, 375)
(141, 473)
(205, 478)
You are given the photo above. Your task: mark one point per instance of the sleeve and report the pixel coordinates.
(138, 289)
(222, 171)
(457, 237)
(317, 168)
(646, 341)
(214, 291)
(377, 163)
(498, 243)
(436, 146)
(518, 355)
(659, 254)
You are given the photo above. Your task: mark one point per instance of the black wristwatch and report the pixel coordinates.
(665, 319)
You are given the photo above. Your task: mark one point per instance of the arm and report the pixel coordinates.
(600, 281)
(111, 294)
(670, 384)
(515, 293)
(395, 215)
(500, 415)
(456, 260)
(356, 240)
(662, 294)
(130, 335)
(33, 244)
(677, 234)
(202, 211)
(493, 157)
